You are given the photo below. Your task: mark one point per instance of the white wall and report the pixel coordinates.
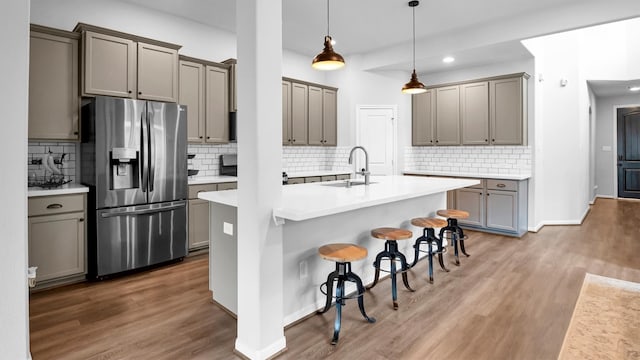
(605, 163)
(14, 72)
(562, 145)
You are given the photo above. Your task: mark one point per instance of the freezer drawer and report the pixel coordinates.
(137, 236)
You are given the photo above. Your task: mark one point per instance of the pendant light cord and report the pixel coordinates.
(328, 33)
(414, 38)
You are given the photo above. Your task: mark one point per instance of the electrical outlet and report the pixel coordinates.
(304, 270)
(227, 228)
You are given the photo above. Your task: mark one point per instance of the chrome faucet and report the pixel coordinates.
(364, 171)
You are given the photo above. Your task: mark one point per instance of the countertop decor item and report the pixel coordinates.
(328, 59)
(192, 172)
(414, 86)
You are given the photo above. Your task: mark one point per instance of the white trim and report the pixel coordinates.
(615, 145)
(536, 228)
(394, 111)
(561, 222)
(264, 353)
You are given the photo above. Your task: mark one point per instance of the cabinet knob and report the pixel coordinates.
(75, 133)
(431, 141)
(436, 141)
(130, 91)
(493, 140)
(139, 92)
(200, 137)
(208, 137)
(294, 140)
(486, 140)
(81, 219)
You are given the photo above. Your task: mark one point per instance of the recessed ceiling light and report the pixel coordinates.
(634, 88)
(448, 59)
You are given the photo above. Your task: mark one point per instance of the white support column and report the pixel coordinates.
(14, 94)
(260, 249)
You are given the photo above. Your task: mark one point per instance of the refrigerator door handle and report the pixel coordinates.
(143, 211)
(152, 147)
(144, 135)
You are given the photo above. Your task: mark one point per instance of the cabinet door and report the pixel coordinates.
(502, 210)
(109, 65)
(157, 73)
(475, 113)
(286, 113)
(217, 104)
(198, 224)
(56, 245)
(448, 115)
(299, 114)
(315, 116)
(227, 186)
(330, 117)
(53, 87)
(191, 94)
(423, 112)
(506, 111)
(472, 201)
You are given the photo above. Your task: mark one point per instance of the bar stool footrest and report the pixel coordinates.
(323, 290)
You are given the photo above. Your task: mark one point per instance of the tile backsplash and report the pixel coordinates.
(37, 150)
(294, 158)
(470, 159)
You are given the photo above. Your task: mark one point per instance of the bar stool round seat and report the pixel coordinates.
(342, 252)
(391, 252)
(342, 255)
(454, 231)
(428, 224)
(453, 214)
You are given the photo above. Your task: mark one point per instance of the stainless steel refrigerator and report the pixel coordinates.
(134, 160)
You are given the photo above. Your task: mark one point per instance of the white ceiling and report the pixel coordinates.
(610, 88)
(367, 26)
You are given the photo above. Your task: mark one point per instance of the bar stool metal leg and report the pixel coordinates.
(330, 279)
(356, 279)
(461, 233)
(339, 303)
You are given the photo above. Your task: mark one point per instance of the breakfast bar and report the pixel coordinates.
(312, 215)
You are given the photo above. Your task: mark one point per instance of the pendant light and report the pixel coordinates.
(328, 59)
(414, 86)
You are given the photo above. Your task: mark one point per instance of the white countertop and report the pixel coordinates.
(70, 188)
(308, 201)
(211, 180)
(469, 175)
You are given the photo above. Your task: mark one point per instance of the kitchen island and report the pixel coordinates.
(312, 215)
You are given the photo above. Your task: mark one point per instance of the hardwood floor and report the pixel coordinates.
(512, 299)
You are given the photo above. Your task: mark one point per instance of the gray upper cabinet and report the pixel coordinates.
(217, 104)
(192, 95)
(474, 112)
(53, 84)
(233, 99)
(329, 117)
(204, 89)
(125, 65)
(508, 111)
(448, 115)
(286, 112)
(157, 73)
(109, 64)
(423, 118)
(322, 116)
(491, 111)
(299, 114)
(315, 116)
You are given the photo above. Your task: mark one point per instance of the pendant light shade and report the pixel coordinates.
(327, 59)
(414, 86)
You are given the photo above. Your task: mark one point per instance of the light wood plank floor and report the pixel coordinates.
(512, 299)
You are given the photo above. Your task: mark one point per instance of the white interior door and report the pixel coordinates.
(376, 132)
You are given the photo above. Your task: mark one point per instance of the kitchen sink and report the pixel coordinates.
(344, 184)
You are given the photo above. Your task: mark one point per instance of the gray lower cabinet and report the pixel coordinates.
(313, 179)
(498, 206)
(198, 224)
(56, 229)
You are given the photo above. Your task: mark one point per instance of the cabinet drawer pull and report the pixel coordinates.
(81, 219)
(501, 185)
(54, 206)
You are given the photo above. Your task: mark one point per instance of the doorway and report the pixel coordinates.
(376, 131)
(628, 152)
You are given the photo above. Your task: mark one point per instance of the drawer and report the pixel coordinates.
(509, 185)
(58, 204)
(479, 186)
(227, 186)
(312, 179)
(343, 177)
(328, 178)
(296, 181)
(195, 189)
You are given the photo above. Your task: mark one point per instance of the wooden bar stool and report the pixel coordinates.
(429, 237)
(342, 255)
(391, 235)
(454, 230)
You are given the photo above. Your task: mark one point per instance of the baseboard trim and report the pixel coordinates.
(268, 352)
(536, 228)
(561, 222)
